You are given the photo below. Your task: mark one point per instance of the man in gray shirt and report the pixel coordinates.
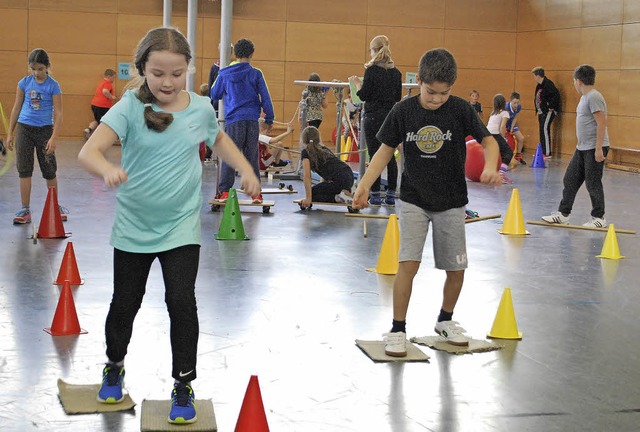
(587, 163)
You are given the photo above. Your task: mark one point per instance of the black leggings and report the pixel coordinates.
(179, 271)
(372, 124)
(506, 154)
(326, 191)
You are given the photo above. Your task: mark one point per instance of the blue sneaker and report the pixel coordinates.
(374, 199)
(112, 382)
(183, 407)
(390, 198)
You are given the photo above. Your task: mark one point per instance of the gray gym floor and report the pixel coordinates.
(288, 304)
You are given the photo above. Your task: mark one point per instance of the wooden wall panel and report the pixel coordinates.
(12, 34)
(13, 68)
(95, 6)
(608, 83)
(490, 15)
(75, 32)
(211, 37)
(628, 100)
(151, 7)
(325, 43)
(328, 11)
(557, 49)
(563, 131)
(601, 12)
(531, 15)
(601, 47)
(526, 86)
(563, 14)
(274, 76)
(479, 50)
(14, 4)
(487, 83)
(77, 114)
(631, 11)
(570, 97)
(272, 10)
(631, 46)
(627, 133)
(268, 38)
(413, 13)
(79, 74)
(407, 45)
(132, 28)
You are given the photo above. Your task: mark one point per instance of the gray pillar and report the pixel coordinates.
(167, 10)
(192, 16)
(226, 16)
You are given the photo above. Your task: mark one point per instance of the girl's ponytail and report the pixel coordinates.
(157, 121)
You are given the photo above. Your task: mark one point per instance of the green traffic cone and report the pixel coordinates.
(231, 227)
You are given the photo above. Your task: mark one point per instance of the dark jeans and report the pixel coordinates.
(179, 271)
(372, 123)
(244, 134)
(583, 168)
(326, 191)
(544, 123)
(506, 154)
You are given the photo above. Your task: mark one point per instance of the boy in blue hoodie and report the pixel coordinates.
(245, 94)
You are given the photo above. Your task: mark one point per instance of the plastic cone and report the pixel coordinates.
(231, 227)
(343, 148)
(504, 325)
(610, 248)
(252, 417)
(538, 159)
(65, 321)
(354, 157)
(514, 221)
(388, 259)
(51, 221)
(69, 268)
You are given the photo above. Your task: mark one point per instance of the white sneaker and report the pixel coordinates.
(342, 197)
(452, 332)
(395, 344)
(556, 218)
(596, 223)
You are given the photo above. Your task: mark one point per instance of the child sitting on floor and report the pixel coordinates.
(337, 175)
(271, 158)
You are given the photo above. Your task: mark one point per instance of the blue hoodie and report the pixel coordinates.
(245, 93)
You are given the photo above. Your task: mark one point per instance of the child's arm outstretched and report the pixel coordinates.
(283, 135)
(228, 151)
(376, 166)
(92, 158)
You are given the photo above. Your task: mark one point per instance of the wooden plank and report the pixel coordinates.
(379, 216)
(618, 230)
(623, 168)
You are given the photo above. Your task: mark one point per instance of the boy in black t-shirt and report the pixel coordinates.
(432, 128)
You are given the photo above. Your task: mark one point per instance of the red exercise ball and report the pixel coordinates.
(474, 164)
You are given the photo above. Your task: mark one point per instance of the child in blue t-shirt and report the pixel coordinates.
(35, 123)
(514, 107)
(158, 204)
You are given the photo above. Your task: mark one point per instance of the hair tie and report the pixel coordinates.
(147, 105)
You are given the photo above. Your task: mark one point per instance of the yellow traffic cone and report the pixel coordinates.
(504, 325)
(610, 248)
(388, 259)
(514, 221)
(343, 146)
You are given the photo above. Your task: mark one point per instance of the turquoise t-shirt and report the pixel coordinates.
(37, 107)
(158, 208)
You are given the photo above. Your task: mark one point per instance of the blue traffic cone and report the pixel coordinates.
(538, 159)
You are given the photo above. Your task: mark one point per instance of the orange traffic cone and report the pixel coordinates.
(65, 321)
(388, 258)
(51, 221)
(69, 268)
(252, 417)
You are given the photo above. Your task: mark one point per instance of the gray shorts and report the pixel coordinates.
(449, 243)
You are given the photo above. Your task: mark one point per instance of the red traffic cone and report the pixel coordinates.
(69, 268)
(65, 321)
(252, 417)
(51, 221)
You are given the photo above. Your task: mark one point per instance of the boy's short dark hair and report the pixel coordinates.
(586, 74)
(438, 65)
(514, 95)
(109, 73)
(538, 71)
(243, 48)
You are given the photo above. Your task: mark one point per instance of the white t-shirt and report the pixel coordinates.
(494, 121)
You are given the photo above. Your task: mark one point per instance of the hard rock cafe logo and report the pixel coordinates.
(429, 139)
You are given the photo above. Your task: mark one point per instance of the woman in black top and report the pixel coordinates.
(380, 89)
